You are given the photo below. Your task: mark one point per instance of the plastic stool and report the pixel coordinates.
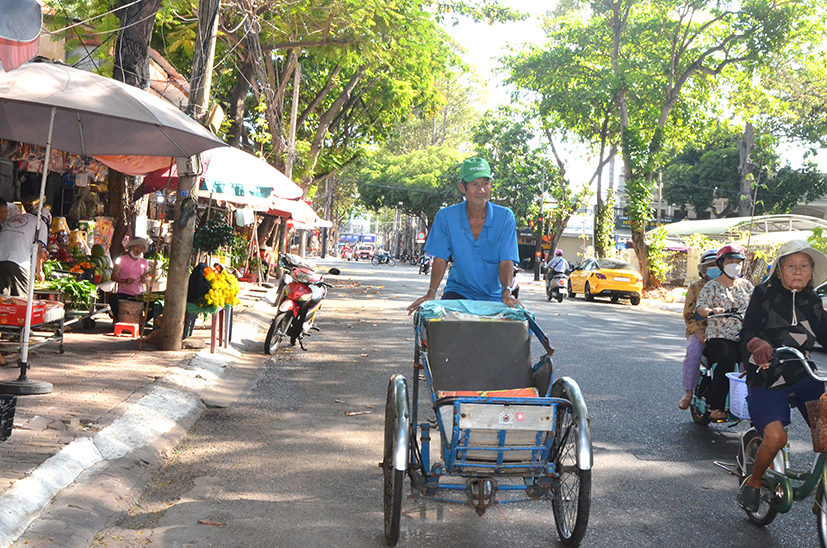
(130, 329)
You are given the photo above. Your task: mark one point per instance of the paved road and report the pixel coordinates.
(287, 467)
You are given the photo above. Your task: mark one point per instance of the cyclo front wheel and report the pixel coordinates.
(277, 332)
(393, 478)
(572, 486)
(765, 514)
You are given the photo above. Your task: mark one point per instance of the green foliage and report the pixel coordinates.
(707, 169)
(658, 255)
(520, 167)
(79, 294)
(702, 242)
(605, 228)
(212, 236)
(420, 181)
(818, 239)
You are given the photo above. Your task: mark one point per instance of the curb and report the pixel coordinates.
(136, 442)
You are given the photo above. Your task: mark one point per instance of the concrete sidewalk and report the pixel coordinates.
(112, 406)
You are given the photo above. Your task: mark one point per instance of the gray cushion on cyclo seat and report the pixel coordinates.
(479, 355)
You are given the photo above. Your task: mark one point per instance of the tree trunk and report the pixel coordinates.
(745, 167)
(132, 47)
(131, 67)
(180, 254)
(325, 122)
(237, 100)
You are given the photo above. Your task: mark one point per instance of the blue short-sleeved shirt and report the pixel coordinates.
(475, 273)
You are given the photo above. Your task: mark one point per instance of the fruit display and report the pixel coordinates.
(97, 265)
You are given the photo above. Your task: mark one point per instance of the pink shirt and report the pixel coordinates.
(132, 268)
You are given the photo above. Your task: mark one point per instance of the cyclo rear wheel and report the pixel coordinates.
(746, 460)
(572, 487)
(393, 478)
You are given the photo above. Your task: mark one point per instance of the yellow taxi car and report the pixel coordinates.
(606, 278)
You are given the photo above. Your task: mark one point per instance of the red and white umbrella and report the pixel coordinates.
(20, 22)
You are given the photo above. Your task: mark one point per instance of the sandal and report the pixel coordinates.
(684, 402)
(717, 415)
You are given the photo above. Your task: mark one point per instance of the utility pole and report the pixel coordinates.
(175, 304)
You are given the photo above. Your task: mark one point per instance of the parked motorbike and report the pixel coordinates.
(383, 258)
(424, 264)
(298, 299)
(556, 285)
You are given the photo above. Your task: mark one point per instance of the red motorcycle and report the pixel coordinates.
(298, 298)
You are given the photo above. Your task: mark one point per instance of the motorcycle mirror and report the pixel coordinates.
(334, 271)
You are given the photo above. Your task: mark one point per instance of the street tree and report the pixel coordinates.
(418, 183)
(364, 69)
(130, 24)
(525, 173)
(708, 169)
(570, 88)
(664, 61)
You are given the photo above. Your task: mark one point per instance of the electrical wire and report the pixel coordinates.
(85, 21)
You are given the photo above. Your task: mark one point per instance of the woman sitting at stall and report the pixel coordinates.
(131, 272)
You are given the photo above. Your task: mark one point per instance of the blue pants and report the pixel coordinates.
(768, 405)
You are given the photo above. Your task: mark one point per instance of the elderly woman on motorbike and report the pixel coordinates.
(722, 295)
(783, 311)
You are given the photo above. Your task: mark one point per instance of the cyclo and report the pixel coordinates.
(509, 431)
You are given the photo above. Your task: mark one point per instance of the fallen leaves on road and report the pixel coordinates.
(364, 355)
(208, 522)
(354, 413)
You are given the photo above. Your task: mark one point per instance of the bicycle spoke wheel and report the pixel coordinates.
(749, 447)
(572, 487)
(820, 510)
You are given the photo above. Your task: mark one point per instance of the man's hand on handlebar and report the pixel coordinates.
(429, 296)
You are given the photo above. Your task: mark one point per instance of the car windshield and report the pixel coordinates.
(614, 264)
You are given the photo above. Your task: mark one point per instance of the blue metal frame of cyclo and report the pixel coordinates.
(455, 464)
(456, 452)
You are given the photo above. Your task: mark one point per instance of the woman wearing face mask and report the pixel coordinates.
(783, 311)
(723, 294)
(130, 272)
(696, 327)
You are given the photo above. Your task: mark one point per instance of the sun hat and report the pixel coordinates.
(474, 168)
(800, 246)
(138, 242)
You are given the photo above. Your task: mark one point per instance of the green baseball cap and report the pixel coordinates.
(474, 168)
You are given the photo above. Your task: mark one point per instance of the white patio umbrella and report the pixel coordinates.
(57, 106)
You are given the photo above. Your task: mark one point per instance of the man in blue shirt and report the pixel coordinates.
(479, 237)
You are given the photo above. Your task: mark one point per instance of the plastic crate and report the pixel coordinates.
(7, 405)
(738, 396)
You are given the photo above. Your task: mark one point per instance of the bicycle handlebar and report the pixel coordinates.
(800, 357)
